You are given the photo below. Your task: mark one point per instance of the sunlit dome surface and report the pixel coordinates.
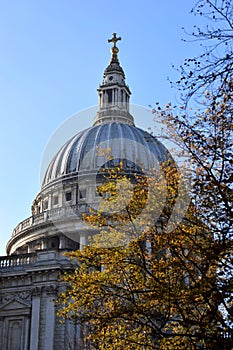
(83, 153)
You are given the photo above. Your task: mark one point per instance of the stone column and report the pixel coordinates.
(105, 98)
(62, 242)
(35, 319)
(74, 195)
(123, 99)
(26, 334)
(49, 201)
(44, 243)
(49, 318)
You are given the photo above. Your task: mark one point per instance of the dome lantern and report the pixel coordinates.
(114, 94)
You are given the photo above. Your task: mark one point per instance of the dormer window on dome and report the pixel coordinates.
(114, 94)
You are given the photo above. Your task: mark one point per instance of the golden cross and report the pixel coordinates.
(114, 39)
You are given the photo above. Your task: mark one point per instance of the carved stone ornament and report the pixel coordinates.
(5, 298)
(25, 295)
(36, 291)
(51, 290)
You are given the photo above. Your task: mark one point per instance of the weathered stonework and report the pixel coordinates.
(27, 303)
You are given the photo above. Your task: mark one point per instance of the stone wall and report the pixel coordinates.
(28, 290)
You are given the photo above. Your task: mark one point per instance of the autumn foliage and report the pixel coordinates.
(140, 285)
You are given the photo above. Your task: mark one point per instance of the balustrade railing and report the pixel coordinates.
(38, 218)
(50, 215)
(14, 261)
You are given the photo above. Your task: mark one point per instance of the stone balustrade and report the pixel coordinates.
(50, 215)
(17, 261)
(40, 259)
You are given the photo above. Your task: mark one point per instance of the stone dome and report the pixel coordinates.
(83, 154)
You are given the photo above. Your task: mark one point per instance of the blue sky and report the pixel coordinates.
(53, 54)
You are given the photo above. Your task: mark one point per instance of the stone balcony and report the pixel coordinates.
(36, 261)
(50, 215)
(66, 219)
(17, 262)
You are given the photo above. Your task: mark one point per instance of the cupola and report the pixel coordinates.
(114, 94)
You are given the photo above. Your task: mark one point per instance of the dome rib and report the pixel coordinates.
(71, 156)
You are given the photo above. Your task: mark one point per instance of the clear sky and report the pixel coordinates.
(53, 54)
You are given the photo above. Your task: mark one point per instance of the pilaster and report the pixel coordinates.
(35, 318)
(50, 317)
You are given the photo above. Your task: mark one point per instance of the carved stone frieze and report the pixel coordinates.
(5, 298)
(25, 295)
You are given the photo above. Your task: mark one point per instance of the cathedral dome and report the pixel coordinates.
(69, 187)
(83, 153)
(113, 130)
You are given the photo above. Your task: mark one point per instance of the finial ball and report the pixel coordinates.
(114, 50)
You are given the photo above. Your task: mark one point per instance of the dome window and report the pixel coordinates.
(54, 243)
(68, 196)
(55, 200)
(46, 204)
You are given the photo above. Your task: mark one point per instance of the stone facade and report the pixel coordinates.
(29, 286)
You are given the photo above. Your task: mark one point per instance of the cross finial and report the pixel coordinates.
(114, 39)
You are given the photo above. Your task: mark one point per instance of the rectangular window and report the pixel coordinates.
(68, 196)
(55, 200)
(46, 204)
